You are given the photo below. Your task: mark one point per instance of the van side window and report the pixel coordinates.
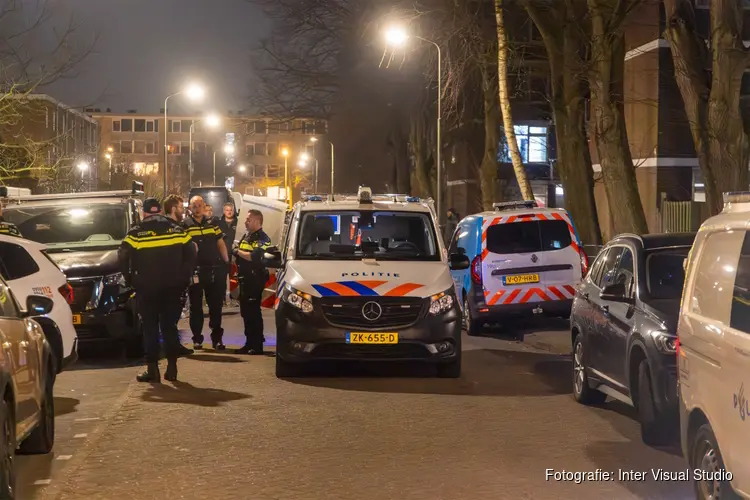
(740, 315)
(609, 266)
(453, 247)
(16, 262)
(711, 296)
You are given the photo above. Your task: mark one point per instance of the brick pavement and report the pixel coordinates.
(231, 430)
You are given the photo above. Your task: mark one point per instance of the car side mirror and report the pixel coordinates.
(458, 262)
(272, 258)
(616, 292)
(38, 305)
(461, 251)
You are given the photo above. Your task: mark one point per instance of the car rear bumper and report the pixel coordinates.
(95, 326)
(431, 340)
(483, 312)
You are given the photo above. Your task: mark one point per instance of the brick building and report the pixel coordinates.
(136, 144)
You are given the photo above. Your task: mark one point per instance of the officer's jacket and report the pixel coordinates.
(9, 229)
(157, 254)
(205, 234)
(253, 272)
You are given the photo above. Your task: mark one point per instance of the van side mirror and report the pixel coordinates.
(458, 262)
(616, 292)
(272, 258)
(38, 305)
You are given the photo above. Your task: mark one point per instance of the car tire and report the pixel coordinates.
(451, 369)
(7, 451)
(285, 369)
(582, 391)
(42, 439)
(655, 428)
(472, 327)
(706, 456)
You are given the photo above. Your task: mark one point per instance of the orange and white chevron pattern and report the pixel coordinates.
(535, 294)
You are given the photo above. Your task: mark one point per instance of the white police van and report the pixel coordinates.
(714, 354)
(365, 278)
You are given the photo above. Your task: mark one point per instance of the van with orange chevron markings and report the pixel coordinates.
(365, 278)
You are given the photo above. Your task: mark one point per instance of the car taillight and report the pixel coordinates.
(67, 292)
(476, 270)
(677, 348)
(584, 264)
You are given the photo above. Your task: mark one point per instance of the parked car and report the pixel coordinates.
(714, 354)
(82, 232)
(30, 271)
(524, 260)
(27, 377)
(623, 328)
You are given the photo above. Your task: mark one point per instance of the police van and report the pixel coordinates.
(713, 354)
(365, 278)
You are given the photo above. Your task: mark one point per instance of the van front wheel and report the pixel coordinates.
(473, 327)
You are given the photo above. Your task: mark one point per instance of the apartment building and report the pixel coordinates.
(252, 162)
(56, 138)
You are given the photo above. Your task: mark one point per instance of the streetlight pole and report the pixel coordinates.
(439, 164)
(166, 136)
(214, 167)
(190, 154)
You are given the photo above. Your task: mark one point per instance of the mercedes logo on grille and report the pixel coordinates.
(534, 258)
(372, 311)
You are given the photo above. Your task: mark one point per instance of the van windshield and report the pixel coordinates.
(358, 234)
(65, 226)
(528, 237)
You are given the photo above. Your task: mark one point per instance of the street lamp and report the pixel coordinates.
(314, 140)
(194, 92)
(108, 156)
(285, 154)
(397, 36)
(83, 166)
(212, 121)
(242, 169)
(228, 150)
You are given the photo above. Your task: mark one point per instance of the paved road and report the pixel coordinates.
(231, 430)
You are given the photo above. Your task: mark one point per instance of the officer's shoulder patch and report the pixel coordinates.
(145, 233)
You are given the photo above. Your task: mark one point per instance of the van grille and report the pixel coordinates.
(397, 312)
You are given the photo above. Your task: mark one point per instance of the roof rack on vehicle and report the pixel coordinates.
(510, 205)
(136, 190)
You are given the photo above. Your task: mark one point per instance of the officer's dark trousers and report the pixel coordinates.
(160, 310)
(212, 283)
(250, 301)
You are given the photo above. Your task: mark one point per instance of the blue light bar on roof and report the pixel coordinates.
(413, 199)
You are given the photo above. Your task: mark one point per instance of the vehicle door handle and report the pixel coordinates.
(585, 296)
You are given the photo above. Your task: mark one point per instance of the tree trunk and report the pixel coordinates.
(510, 135)
(488, 169)
(421, 171)
(610, 134)
(561, 34)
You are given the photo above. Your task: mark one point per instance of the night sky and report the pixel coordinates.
(147, 49)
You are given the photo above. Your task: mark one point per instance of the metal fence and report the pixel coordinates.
(678, 216)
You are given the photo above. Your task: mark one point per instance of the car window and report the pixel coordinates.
(17, 263)
(528, 237)
(625, 271)
(463, 236)
(665, 274)
(596, 268)
(607, 275)
(740, 314)
(8, 306)
(453, 247)
(711, 296)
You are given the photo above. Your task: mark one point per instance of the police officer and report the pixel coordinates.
(157, 257)
(210, 276)
(8, 228)
(252, 276)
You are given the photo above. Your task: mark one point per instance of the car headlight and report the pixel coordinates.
(441, 302)
(300, 300)
(114, 279)
(666, 343)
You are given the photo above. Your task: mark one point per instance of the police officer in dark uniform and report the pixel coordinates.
(8, 228)
(252, 276)
(210, 276)
(157, 257)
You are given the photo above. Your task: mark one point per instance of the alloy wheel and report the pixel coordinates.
(8, 453)
(578, 368)
(709, 462)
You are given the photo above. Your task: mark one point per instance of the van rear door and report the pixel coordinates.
(529, 258)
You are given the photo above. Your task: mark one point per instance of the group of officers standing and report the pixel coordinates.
(168, 253)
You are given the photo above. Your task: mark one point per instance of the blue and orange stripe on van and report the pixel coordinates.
(364, 288)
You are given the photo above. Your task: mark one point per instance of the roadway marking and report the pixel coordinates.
(42, 482)
(78, 436)
(64, 457)
(87, 419)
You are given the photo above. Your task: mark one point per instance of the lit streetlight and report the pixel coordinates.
(194, 92)
(213, 121)
(83, 166)
(397, 36)
(287, 191)
(242, 169)
(228, 150)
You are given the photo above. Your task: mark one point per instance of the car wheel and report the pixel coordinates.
(472, 327)
(582, 392)
(42, 439)
(285, 369)
(706, 456)
(655, 430)
(7, 451)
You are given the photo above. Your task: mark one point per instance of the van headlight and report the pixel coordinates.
(114, 279)
(441, 302)
(666, 343)
(300, 300)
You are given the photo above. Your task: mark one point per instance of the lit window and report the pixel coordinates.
(532, 143)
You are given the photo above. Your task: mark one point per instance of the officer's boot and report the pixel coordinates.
(171, 373)
(151, 374)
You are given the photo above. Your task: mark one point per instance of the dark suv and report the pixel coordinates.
(623, 328)
(82, 232)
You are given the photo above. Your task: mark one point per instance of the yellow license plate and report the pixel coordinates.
(76, 319)
(520, 279)
(371, 338)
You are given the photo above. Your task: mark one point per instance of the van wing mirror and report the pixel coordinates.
(458, 262)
